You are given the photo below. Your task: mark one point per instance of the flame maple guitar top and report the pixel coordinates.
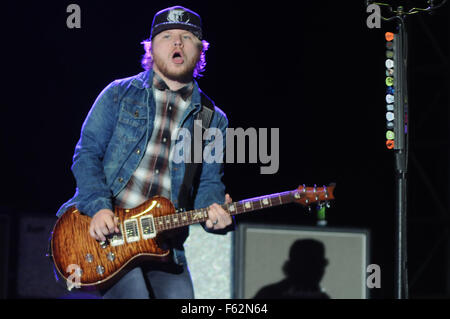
(72, 244)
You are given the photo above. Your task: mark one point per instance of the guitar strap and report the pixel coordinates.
(192, 169)
(192, 173)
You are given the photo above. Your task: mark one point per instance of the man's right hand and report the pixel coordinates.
(102, 224)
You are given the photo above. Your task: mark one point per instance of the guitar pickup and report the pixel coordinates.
(131, 230)
(148, 227)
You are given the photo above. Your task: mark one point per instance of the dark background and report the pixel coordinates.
(312, 69)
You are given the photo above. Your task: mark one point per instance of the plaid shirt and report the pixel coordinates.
(152, 175)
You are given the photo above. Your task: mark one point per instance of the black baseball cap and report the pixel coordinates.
(177, 18)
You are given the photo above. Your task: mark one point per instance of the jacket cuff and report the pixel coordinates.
(223, 231)
(94, 206)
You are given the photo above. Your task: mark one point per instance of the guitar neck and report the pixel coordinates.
(201, 215)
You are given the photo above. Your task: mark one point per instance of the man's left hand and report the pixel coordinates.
(218, 218)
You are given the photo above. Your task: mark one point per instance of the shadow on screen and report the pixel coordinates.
(303, 270)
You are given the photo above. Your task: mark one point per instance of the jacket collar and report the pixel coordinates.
(144, 80)
(185, 92)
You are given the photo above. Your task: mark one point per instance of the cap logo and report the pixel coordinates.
(176, 16)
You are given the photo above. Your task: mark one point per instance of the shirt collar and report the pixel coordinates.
(185, 92)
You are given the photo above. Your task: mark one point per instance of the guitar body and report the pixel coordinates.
(73, 249)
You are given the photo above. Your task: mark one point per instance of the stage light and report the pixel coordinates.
(389, 98)
(390, 135)
(389, 63)
(390, 116)
(390, 144)
(389, 81)
(389, 36)
(390, 90)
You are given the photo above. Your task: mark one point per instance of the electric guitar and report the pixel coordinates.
(86, 263)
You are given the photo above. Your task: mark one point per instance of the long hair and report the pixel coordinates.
(147, 61)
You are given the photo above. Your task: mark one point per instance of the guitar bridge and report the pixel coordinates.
(117, 239)
(148, 227)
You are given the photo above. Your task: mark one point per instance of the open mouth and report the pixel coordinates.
(177, 58)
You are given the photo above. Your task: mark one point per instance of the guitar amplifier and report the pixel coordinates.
(35, 277)
(272, 260)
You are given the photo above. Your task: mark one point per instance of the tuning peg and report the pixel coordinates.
(315, 192)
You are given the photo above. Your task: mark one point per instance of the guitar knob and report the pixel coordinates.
(100, 270)
(89, 258)
(103, 244)
(111, 256)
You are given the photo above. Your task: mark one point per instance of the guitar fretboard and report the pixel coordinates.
(201, 215)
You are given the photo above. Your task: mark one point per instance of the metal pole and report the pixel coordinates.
(401, 158)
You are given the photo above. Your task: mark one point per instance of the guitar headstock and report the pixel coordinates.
(309, 195)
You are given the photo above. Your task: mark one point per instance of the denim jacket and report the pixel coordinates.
(113, 137)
